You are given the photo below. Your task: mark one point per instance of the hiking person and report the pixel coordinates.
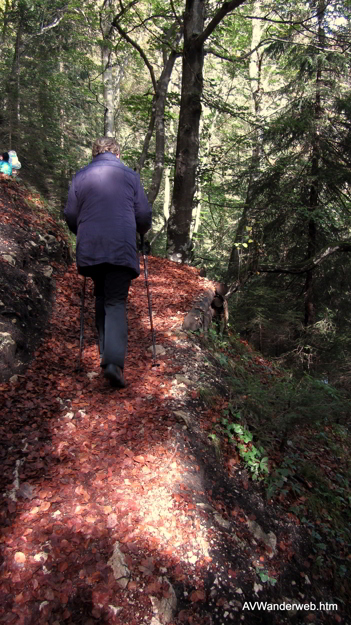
(5, 165)
(14, 162)
(106, 207)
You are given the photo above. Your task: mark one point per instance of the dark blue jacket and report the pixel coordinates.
(105, 208)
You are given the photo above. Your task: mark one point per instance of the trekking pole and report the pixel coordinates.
(146, 274)
(81, 337)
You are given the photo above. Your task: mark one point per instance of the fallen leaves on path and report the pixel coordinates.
(85, 467)
(108, 512)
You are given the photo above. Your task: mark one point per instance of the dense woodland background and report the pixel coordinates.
(238, 117)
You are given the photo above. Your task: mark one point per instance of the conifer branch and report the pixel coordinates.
(311, 263)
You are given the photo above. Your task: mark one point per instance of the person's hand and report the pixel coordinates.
(144, 247)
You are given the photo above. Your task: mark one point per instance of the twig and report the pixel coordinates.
(159, 232)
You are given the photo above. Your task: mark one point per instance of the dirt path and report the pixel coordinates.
(113, 508)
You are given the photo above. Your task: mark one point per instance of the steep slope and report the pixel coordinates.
(33, 247)
(115, 508)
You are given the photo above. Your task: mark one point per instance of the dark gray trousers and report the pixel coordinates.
(111, 291)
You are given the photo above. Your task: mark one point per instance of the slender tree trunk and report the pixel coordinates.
(63, 173)
(148, 136)
(315, 166)
(167, 194)
(14, 92)
(204, 158)
(160, 103)
(6, 20)
(109, 93)
(178, 233)
(119, 75)
(157, 117)
(107, 73)
(239, 255)
(167, 191)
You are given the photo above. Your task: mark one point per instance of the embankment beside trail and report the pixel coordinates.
(34, 248)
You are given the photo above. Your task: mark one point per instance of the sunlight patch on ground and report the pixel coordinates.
(169, 514)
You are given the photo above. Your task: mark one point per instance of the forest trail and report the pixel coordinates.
(86, 462)
(114, 508)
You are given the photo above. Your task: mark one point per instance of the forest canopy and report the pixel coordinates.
(238, 117)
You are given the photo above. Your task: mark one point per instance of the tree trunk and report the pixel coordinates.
(200, 316)
(150, 130)
(14, 92)
(239, 256)
(315, 165)
(109, 95)
(63, 170)
(167, 191)
(195, 34)
(167, 194)
(5, 20)
(204, 159)
(157, 118)
(160, 104)
(178, 233)
(107, 73)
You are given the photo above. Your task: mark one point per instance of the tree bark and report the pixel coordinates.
(107, 73)
(157, 118)
(160, 104)
(109, 93)
(148, 136)
(178, 233)
(195, 34)
(13, 90)
(315, 165)
(5, 21)
(240, 256)
(200, 316)
(204, 160)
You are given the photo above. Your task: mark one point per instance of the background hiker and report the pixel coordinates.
(106, 207)
(14, 162)
(5, 166)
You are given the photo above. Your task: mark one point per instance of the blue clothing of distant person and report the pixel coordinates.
(5, 166)
(106, 207)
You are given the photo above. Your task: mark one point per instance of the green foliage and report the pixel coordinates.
(304, 152)
(264, 576)
(253, 456)
(281, 478)
(274, 405)
(292, 433)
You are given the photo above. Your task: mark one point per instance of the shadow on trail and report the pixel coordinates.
(87, 468)
(72, 452)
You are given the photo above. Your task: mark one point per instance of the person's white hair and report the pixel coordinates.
(106, 144)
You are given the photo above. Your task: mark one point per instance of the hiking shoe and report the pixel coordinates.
(115, 376)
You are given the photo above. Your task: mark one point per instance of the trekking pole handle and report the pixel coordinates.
(145, 246)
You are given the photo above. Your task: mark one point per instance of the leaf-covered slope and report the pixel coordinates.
(33, 247)
(115, 508)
